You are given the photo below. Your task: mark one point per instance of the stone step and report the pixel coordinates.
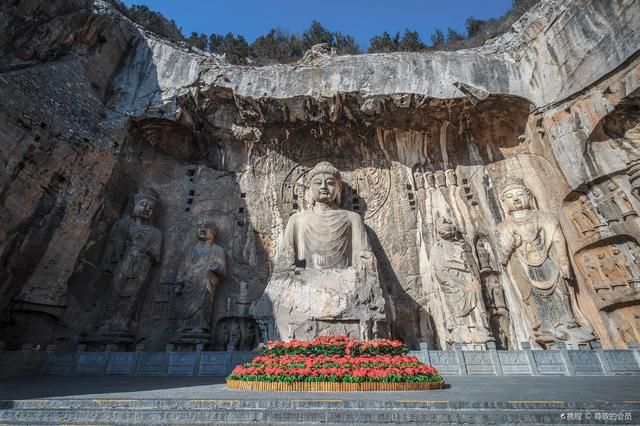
(296, 404)
(339, 416)
(85, 411)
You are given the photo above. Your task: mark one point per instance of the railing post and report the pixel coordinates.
(526, 347)
(571, 370)
(497, 367)
(636, 351)
(462, 365)
(606, 368)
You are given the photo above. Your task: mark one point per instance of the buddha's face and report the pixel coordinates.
(144, 208)
(516, 199)
(325, 188)
(206, 231)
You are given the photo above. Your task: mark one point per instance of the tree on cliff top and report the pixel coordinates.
(277, 47)
(198, 40)
(280, 47)
(236, 48)
(151, 20)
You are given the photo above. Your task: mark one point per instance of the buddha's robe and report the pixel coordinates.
(325, 279)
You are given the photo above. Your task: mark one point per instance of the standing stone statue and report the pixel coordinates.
(592, 271)
(495, 301)
(584, 217)
(620, 199)
(134, 245)
(459, 280)
(532, 244)
(605, 206)
(325, 279)
(203, 266)
(614, 273)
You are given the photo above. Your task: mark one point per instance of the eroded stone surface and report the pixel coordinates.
(92, 108)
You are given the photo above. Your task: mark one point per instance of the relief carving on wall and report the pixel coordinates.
(612, 272)
(134, 246)
(203, 267)
(532, 245)
(458, 277)
(325, 280)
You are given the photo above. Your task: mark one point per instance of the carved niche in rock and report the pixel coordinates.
(134, 246)
(612, 202)
(532, 245)
(236, 333)
(584, 217)
(459, 280)
(612, 272)
(202, 268)
(325, 279)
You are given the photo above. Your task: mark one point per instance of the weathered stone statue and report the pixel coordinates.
(584, 217)
(620, 199)
(533, 246)
(203, 266)
(592, 271)
(134, 245)
(325, 280)
(605, 206)
(615, 275)
(622, 262)
(494, 297)
(459, 280)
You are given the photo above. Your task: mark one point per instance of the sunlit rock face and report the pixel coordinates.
(93, 108)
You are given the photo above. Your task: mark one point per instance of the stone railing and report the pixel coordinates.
(33, 361)
(528, 362)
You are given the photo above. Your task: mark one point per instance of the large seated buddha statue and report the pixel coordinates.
(325, 280)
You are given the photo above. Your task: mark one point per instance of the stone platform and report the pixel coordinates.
(191, 400)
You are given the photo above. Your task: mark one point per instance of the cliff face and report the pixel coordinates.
(92, 108)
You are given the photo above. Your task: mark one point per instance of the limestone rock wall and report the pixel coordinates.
(92, 108)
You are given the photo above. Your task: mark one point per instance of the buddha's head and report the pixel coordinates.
(145, 201)
(206, 229)
(325, 183)
(515, 195)
(446, 229)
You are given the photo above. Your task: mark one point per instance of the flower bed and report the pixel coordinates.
(335, 363)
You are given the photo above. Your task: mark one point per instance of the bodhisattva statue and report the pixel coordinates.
(202, 268)
(325, 279)
(134, 245)
(533, 246)
(459, 280)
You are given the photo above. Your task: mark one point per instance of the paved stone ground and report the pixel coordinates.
(203, 400)
(619, 389)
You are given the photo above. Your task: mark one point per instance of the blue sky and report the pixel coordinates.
(360, 18)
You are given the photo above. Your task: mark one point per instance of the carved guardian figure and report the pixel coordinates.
(533, 246)
(459, 281)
